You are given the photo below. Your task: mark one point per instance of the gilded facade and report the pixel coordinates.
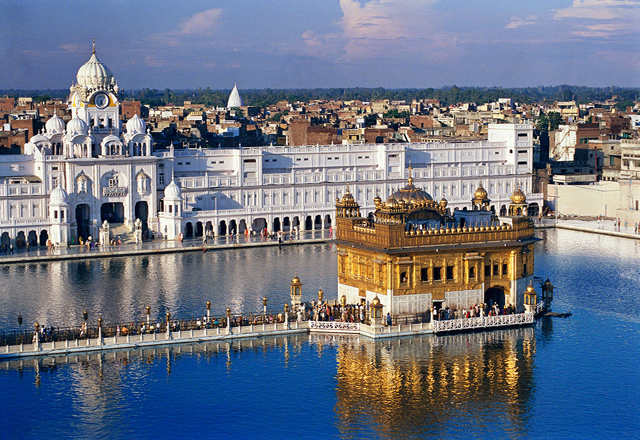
(414, 253)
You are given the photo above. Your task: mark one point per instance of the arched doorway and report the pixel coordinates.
(233, 227)
(199, 229)
(327, 221)
(495, 295)
(142, 212)
(222, 229)
(21, 239)
(286, 224)
(242, 227)
(208, 226)
(295, 222)
(308, 223)
(276, 224)
(188, 230)
(534, 209)
(5, 239)
(318, 222)
(33, 238)
(44, 236)
(113, 212)
(259, 224)
(503, 210)
(83, 220)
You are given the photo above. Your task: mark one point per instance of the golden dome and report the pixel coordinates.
(295, 279)
(480, 193)
(518, 197)
(347, 198)
(530, 288)
(377, 201)
(410, 195)
(375, 301)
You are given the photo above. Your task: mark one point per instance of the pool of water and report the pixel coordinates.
(577, 377)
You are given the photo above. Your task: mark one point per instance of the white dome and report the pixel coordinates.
(95, 75)
(38, 138)
(54, 125)
(235, 100)
(77, 126)
(110, 138)
(58, 197)
(136, 125)
(172, 192)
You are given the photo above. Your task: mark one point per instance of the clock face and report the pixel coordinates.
(101, 100)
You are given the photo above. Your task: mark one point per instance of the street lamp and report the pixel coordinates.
(20, 319)
(208, 311)
(85, 315)
(148, 313)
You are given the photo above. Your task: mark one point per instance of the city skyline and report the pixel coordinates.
(346, 43)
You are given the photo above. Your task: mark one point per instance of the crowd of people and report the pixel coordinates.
(475, 311)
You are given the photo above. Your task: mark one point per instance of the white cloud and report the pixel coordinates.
(75, 48)
(597, 9)
(202, 23)
(619, 17)
(516, 22)
(384, 30)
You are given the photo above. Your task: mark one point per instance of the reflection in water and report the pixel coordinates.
(119, 289)
(418, 386)
(398, 387)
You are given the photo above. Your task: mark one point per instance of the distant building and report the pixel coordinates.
(235, 100)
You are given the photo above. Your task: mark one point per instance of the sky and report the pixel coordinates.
(317, 44)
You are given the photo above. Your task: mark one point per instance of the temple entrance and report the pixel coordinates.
(142, 212)
(83, 216)
(113, 212)
(494, 295)
(188, 230)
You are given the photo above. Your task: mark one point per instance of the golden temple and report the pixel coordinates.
(414, 253)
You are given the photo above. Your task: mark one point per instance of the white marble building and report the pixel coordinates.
(278, 188)
(102, 171)
(105, 172)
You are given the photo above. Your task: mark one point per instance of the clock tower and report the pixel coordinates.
(94, 100)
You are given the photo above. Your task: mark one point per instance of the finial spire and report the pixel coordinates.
(94, 46)
(347, 186)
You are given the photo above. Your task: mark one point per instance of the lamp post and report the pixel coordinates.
(208, 311)
(264, 307)
(168, 325)
(20, 319)
(100, 342)
(148, 315)
(286, 315)
(36, 338)
(228, 321)
(85, 316)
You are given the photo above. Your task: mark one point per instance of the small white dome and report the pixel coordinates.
(38, 138)
(58, 197)
(136, 125)
(95, 75)
(235, 100)
(54, 125)
(77, 126)
(110, 138)
(172, 192)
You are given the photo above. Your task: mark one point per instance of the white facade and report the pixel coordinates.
(112, 174)
(105, 172)
(279, 188)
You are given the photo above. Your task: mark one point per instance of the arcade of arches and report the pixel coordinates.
(242, 226)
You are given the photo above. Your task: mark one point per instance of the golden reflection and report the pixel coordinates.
(423, 382)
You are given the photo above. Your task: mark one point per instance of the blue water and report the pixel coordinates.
(564, 378)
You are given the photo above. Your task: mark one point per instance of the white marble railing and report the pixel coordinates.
(334, 326)
(483, 322)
